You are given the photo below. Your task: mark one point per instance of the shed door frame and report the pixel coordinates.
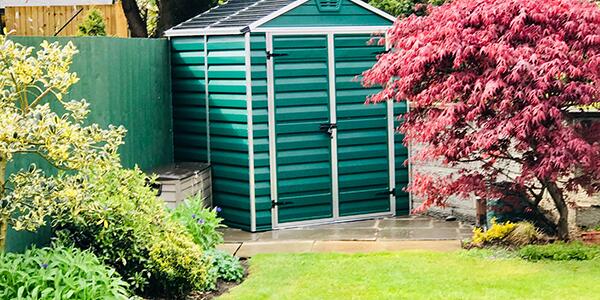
(334, 160)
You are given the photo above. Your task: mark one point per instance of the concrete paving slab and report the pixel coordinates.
(249, 249)
(384, 246)
(445, 224)
(405, 223)
(340, 234)
(238, 236)
(419, 234)
(230, 248)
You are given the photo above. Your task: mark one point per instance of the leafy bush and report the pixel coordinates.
(560, 251)
(117, 223)
(180, 264)
(224, 266)
(126, 225)
(93, 24)
(58, 273)
(202, 223)
(495, 233)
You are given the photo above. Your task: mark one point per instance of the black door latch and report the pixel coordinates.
(271, 54)
(328, 128)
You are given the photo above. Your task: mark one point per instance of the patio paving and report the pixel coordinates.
(387, 234)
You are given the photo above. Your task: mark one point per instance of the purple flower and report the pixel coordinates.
(44, 266)
(200, 221)
(218, 209)
(193, 216)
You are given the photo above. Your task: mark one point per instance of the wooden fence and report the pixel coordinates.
(49, 20)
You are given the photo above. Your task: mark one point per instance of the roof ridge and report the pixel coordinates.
(235, 14)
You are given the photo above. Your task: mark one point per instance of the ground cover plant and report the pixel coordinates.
(414, 275)
(494, 87)
(58, 273)
(560, 251)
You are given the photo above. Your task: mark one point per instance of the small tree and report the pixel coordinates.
(29, 84)
(93, 24)
(493, 84)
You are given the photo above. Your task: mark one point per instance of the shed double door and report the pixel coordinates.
(329, 150)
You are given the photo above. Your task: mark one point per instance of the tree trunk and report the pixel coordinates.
(173, 12)
(563, 211)
(3, 219)
(137, 26)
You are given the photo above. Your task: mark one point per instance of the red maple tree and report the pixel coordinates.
(494, 87)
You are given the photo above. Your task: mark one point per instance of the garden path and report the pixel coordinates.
(386, 234)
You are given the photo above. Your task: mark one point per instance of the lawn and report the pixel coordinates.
(414, 275)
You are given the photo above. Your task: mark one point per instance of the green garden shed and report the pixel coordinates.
(267, 92)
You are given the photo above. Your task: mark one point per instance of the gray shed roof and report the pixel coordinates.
(234, 13)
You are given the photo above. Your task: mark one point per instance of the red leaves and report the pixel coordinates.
(493, 81)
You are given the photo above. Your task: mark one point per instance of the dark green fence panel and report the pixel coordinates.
(127, 82)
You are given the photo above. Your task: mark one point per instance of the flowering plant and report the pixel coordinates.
(201, 222)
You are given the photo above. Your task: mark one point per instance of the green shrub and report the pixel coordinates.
(494, 234)
(127, 227)
(202, 223)
(224, 266)
(117, 223)
(93, 24)
(560, 251)
(58, 273)
(506, 234)
(180, 264)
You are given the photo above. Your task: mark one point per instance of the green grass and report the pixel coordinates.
(415, 275)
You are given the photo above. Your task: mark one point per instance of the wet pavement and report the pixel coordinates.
(387, 234)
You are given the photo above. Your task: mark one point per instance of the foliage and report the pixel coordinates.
(58, 273)
(32, 91)
(492, 87)
(127, 227)
(224, 266)
(560, 251)
(93, 24)
(524, 233)
(404, 8)
(202, 223)
(509, 234)
(180, 264)
(413, 275)
(117, 222)
(496, 232)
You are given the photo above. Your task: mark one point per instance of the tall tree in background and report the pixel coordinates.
(492, 86)
(150, 18)
(405, 8)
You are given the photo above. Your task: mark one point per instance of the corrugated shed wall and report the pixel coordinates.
(401, 152)
(229, 128)
(189, 99)
(261, 132)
